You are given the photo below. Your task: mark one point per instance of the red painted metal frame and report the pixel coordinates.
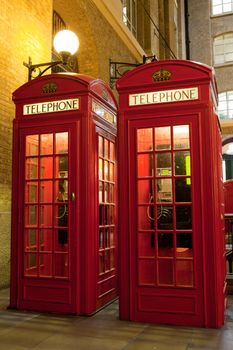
(209, 291)
(79, 294)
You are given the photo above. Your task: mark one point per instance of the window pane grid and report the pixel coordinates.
(225, 107)
(223, 48)
(221, 6)
(46, 234)
(164, 206)
(106, 235)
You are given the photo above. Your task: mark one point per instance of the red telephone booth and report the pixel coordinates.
(171, 229)
(64, 203)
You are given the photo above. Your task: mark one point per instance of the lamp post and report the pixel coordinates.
(66, 43)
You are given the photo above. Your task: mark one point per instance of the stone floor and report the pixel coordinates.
(104, 331)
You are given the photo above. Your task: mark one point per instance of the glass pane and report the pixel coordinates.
(31, 168)
(184, 273)
(146, 272)
(165, 244)
(101, 262)
(46, 167)
(61, 190)
(61, 265)
(144, 140)
(101, 184)
(112, 243)
(106, 149)
(163, 138)
(163, 164)
(146, 218)
(166, 275)
(30, 242)
(46, 215)
(164, 190)
(61, 142)
(181, 136)
(31, 215)
(31, 193)
(30, 264)
(182, 163)
(145, 164)
(101, 214)
(112, 151)
(61, 166)
(101, 169)
(106, 192)
(106, 239)
(46, 191)
(107, 260)
(165, 218)
(32, 143)
(101, 146)
(111, 215)
(46, 241)
(61, 240)
(183, 217)
(111, 171)
(45, 269)
(146, 244)
(145, 191)
(101, 238)
(46, 144)
(106, 170)
(111, 193)
(112, 259)
(62, 215)
(183, 189)
(184, 246)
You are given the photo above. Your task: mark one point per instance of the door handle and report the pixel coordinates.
(72, 196)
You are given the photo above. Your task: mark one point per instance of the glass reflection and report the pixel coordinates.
(183, 189)
(32, 142)
(184, 244)
(165, 244)
(165, 217)
(163, 164)
(181, 136)
(164, 190)
(182, 163)
(144, 140)
(46, 144)
(61, 142)
(145, 164)
(183, 217)
(163, 138)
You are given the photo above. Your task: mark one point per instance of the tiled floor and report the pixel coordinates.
(103, 331)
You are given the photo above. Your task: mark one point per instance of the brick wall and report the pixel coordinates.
(25, 27)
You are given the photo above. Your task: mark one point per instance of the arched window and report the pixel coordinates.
(59, 24)
(221, 6)
(225, 105)
(223, 49)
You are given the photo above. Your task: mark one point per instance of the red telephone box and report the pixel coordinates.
(64, 242)
(171, 229)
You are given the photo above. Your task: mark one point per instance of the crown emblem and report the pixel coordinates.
(161, 75)
(48, 88)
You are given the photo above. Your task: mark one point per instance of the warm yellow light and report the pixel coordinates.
(66, 41)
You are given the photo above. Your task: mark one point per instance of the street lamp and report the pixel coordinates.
(66, 43)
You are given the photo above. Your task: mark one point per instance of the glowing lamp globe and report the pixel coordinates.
(66, 41)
